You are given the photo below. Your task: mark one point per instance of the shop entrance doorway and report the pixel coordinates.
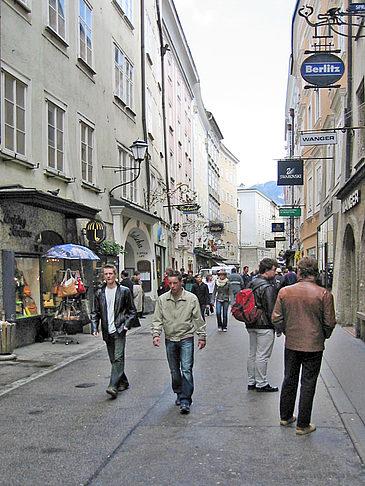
(349, 278)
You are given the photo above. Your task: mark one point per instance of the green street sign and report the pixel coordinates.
(290, 212)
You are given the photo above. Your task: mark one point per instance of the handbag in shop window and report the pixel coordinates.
(68, 286)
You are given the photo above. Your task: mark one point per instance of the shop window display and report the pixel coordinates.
(27, 286)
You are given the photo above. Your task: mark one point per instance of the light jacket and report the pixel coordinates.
(179, 319)
(124, 311)
(223, 293)
(305, 313)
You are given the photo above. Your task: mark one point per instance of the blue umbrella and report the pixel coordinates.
(71, 252)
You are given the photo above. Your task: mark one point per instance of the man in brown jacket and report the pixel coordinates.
(305, 313)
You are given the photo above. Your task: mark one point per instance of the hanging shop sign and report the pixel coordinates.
(183, 234)
(322, 69)
(216, 227)
(351, 201)
(279, 238)
(188, 208)
(357, 7)
(95, 231)
(290, 212)
(270, 244)
(318, 138)
(290, 172)
(277, 227)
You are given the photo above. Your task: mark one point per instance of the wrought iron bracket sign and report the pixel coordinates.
(322, 69)
(95, 231)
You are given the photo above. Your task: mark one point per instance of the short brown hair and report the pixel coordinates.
(175, 273)
(308, 267)
(110, 266)
(267, 264)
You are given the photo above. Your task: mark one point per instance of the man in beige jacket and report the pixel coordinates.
(178, 314)
(305, 313)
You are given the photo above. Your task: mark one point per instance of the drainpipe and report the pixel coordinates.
(143, 101)
(348, 110)
(163, 50)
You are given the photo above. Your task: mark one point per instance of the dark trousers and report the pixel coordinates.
(203, 308)
(115, 344)
(311, 365)
(180, 356)
(222, 307)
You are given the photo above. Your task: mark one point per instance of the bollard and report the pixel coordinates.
(7, 337)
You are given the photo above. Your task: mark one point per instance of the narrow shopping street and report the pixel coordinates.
(62, 429)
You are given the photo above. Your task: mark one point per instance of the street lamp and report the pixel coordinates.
(139, 149)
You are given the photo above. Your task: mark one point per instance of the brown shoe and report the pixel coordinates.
(306, 430)
(284, 423)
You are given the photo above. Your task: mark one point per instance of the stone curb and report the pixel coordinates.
(353, 423)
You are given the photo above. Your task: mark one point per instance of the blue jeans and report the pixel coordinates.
(180, 356)
(222, 306)
(115, 344)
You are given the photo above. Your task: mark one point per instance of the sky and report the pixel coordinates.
(241, 50)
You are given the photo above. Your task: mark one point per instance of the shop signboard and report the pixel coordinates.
(277, 227)
(322, 69)
(183, 234)
(351, 201)
(318, 138)
(270, 244)
(357, 7)
(95, 231)
(290, 172)
(216, 227)
(279, 238)
(290, 212)
(188, 208)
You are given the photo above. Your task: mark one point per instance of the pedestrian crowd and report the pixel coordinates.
(290, 303)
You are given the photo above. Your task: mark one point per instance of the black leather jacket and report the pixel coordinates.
(265, 293)
(124, 311)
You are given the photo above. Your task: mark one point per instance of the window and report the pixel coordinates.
(55, 122)
(126, 6)
(87, 138)
(14, 114)
(149, 111)
(126, 161)
(85, 32)
(123, 77)
(317, 105)
(318, 187)
(56, 16)
(309, 195)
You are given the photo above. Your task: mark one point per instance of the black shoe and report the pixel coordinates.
(112, 391)
(251, 387)
(123, 387)
(184, 409)
(142, 317)
(177, 401)
(267, 389)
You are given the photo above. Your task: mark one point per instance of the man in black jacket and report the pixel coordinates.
(261, 332)
(200, 289)
(114, 307)
(126, 281)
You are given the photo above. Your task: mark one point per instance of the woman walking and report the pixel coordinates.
(223, 295)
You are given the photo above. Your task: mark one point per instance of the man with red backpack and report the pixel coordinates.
(261, 331)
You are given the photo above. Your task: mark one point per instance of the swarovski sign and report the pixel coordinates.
(290, 172)
(318, 138)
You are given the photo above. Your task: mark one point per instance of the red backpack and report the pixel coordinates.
(244, 309)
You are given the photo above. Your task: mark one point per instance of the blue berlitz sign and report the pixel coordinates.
(322, 69)
(358, 7)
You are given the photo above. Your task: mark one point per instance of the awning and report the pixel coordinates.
(39, 199)
(132, 210)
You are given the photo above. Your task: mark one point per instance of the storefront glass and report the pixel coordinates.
(326, 252)
(27, 286)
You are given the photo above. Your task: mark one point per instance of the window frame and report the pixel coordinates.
(125, 79)
(90, 129)
(62, 109)
(85, 59)
(129, 191)
(56, 29)
(23, 81)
